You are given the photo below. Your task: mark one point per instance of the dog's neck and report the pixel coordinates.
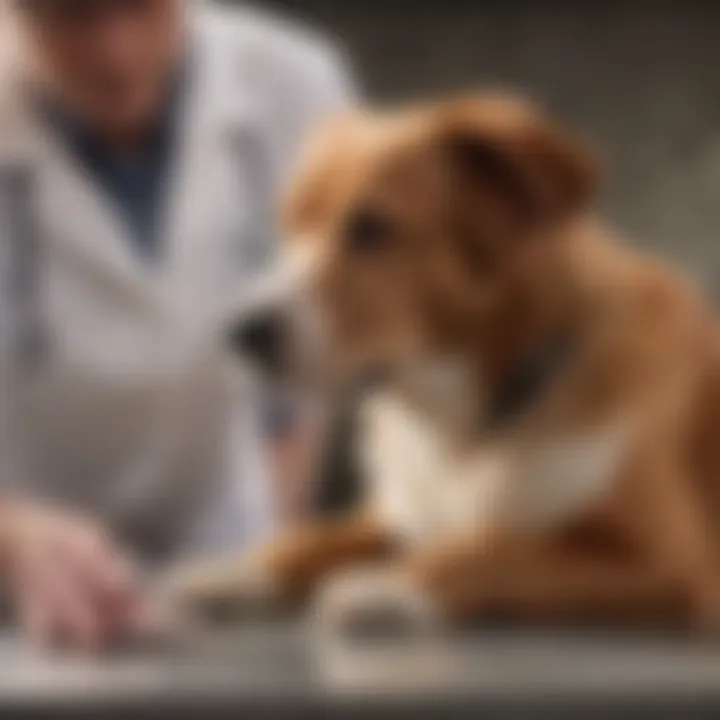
(455, 397)
(535, 330)
(501, 370)
(443, 388)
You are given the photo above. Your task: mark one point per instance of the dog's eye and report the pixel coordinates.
(368, 231)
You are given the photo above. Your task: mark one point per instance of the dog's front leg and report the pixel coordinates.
(555, 580)
(284, 572)
(522, 577)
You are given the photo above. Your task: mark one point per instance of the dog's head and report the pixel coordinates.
(410, 233)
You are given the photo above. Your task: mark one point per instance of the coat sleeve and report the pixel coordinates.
(311, 80)
(330, 87)
(307, 79)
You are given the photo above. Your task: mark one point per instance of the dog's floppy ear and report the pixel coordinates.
(510, 149)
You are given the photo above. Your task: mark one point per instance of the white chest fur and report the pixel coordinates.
(424, 488)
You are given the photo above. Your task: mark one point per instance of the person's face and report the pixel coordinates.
(109, 60)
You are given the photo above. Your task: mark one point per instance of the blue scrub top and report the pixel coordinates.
(135, 182)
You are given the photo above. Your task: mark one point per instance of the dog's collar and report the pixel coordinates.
(530, 380)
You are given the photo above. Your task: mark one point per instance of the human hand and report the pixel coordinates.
(68, 581)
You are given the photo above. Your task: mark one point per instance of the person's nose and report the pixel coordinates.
(261, 337)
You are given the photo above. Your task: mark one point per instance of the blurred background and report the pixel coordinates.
(638, 78)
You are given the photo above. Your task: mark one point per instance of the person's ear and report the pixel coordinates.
(539, 170)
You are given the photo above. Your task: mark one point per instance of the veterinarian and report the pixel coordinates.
(142, 147)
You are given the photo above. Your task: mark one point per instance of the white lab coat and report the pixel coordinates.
(129, 410)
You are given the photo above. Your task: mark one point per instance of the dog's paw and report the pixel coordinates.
(374, 603)
(223, 589)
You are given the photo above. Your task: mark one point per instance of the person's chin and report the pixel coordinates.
(121, 113)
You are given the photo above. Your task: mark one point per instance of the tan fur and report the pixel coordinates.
(602, 498)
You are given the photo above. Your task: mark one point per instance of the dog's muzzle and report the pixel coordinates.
(278, 328)
(262, 337)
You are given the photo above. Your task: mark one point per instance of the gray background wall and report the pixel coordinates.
(640, 79)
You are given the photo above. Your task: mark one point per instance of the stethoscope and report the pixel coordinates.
(19, 231)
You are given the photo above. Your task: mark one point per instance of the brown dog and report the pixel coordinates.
(544, 443)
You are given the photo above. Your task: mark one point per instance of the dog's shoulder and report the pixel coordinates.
(631, 288)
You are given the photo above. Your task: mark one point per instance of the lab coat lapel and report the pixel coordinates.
(79, 215)
(73, 212)
(76, 217)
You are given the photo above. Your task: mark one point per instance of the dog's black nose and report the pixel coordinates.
(261, 337)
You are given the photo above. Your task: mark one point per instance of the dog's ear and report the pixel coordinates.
(541, 173)
(313, 179)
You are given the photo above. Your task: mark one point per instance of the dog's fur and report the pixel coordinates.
(448, 246)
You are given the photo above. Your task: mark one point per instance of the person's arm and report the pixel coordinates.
(61, 574)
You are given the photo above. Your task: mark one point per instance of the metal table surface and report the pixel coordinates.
(283, 669)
